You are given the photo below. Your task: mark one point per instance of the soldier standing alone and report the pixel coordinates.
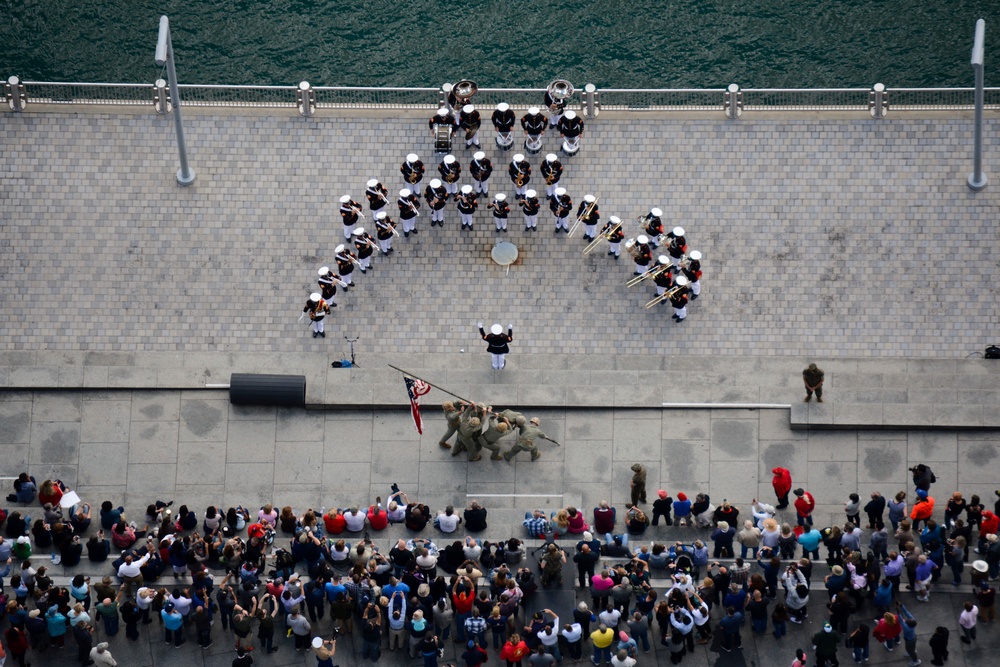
(638, 484)
(812, 377)
(496, 343)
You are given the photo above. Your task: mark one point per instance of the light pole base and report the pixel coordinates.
(185, 181)
(975, 185)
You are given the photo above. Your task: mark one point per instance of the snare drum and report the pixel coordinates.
(533, 144)
(571, 145)
(505, 140)
(442, 139)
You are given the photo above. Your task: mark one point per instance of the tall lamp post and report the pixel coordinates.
(977, 179)
(165, 56)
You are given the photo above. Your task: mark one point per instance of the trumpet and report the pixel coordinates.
(606, 236)
(387, 226)
(585, 214)
(413, 207)
(357, 209)
(352, 259)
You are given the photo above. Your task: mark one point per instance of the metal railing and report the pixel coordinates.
(733, 101)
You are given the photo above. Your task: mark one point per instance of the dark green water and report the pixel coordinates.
(614, 43)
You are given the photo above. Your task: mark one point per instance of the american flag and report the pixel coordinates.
(416, 389)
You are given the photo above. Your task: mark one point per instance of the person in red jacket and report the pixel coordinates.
(377, 517)
(782, 483)
(923, 509)
(989, 525)
(804, 506)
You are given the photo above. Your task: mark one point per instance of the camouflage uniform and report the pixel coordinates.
(638, 484)
(488, 439)
(468, 435)
(453, 416)
(526, 437)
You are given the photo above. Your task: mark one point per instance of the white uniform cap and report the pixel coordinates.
(372, 183)
(345, 199)
(479, 155)
(466, 189)
(560, 192)
(519, 158)
(570, 115)
(412, 157)
(656, 212)
(681, 280)
(615, 219)
(589, 199)
(663, 259)
(315, 296)
(442, 112)
(404, 192)
(551, 157)
(446, 87)
(533, 110)
(339, 249)
(500, 196)
(468, 108)
(358, 231)
(380, 216)
(502, 107)
(325, 270)
(642, 239)
(530, 193)
(435, 183)
(449, 159)
(695, 255)
(496, 328)
(317, 642)
(678, 231)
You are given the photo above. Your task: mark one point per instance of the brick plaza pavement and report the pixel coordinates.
(821, 236)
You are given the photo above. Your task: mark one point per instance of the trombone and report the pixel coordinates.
(592, 246)
(652, 273)
(682, 283)
(586, 213)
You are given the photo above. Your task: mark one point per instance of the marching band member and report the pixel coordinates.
(450, 170)
(556, 109)
(412, 170)
(653, 225)
(533, 123)
(663, 280)
(677, 245)
(436, 197)
(345, 264)
(441, 117)
(500, 211)
(328, 285)
(317, 309)
(615, 237)
(679, 300)
(561, 205)
(496, 343)
(589, 221)
(377, 196)
(693, 273)
(530, 207)
(520, 173)
(349, 210)
(470, 120)
(503, 122)
(385, 229)
(467, 205)
(480, 169)
(408, 205)
(552, 171)
(642, 254)
(365, 244)
(571, 129)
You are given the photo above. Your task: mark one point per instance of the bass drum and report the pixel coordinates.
(442, 139)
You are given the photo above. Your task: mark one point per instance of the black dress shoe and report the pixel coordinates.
(315, 334)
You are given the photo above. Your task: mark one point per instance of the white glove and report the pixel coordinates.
(510, 326)
(480, 325)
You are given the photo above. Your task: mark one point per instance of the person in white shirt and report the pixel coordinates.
(447, 521)
(573, 634)
(610, 616)
(355, 519)
(549, 635)
(472, 550)
(130, 572)
(622, 660)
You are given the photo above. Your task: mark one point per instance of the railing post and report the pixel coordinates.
(443, 96)
(17, 96)
(733, 101)
(977, 179)
(591, 101)
(878, 101)
(305, 96)
(161, 97)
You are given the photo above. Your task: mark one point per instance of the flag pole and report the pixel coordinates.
(409, 374)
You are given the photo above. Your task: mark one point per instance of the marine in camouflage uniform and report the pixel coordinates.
(453, 415)
(638, 484)
(528, 433)
(495, 430)
(469, 429)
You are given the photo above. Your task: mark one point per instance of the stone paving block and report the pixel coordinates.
(393, 461)
(646, 396)
(734, 439)
(202, 463)
(155, 480)
(297, 425)
(587, 460)
(70, 377)
(882, 461)
(106, 421)
(978, 461)
(56, 406)
(249, 484)
(790, 454)
(15, 422)
(636, 438)
(203, 420)
(251, 442)
(927, 446)
(832, 480)
(541, 395)
(103, 462)
(859, 414)
(155, 406)
(13, 459)
(733, 480)
(775, 425)
(684, 423)
(532, 477)
(348, 440)
(128, 377)
(153, 442)
(43, 377)
(958, 415)
(820, 413)
(393, 427)
(735, 394)
(685, 463)
(298, 463)
(681, 393)
(55, 442)
(907, 415)
(586, 425)
(250, 412)
(832, 446)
